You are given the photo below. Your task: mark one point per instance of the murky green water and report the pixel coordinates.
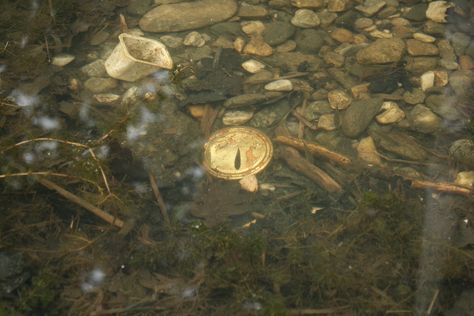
(107, 207)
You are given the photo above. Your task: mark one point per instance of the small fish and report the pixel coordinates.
(237, 160)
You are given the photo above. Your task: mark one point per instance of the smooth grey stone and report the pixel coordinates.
(400, 144)
(98, 85)
(462, 150)
(416, 13)
(461, 81)
(444, 106)
(95, 69)
(359, 115)
(415, 96)
(187, 15)
(139, 7)
(278, 32)
(309, 40)
(420, 65)
(460, 42)
(227, 28)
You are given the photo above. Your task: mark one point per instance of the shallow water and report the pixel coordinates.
(364, 209)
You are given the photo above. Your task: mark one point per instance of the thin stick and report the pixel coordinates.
(315, 149)
(303, 166)
(46, 173)
(304, 121)
(81, 202)
(433, 301)
(317, 311)
(51, 10)
(159, 198)
(104, 178)
(441, 187)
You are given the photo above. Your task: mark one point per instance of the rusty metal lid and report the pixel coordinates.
(235, 152)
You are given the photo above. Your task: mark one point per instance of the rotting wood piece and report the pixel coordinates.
(303, 166)
(314, 149)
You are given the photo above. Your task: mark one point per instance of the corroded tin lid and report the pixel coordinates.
(235, 152)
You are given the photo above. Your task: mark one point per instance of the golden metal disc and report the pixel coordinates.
(235, 152)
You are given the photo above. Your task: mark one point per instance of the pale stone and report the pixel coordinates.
(258, 47)
(130, 97)
(339, 100)
(360, 90)
(287, 46)
(327, 122)
(239, 44)
(249, 183)
(381, 34)
(236, 117)
(465, 179)
(367, 151)
(342, 35)
(307, 3)
(437, 11)
(427, 80)
(305, 18)
(194, 39)
(398, 21)
(392, 113)
(196, 111)
(424, 37)
(106, 98)
(253, 27)
(62, 60)
(252, 66)
(279, 85)
(423, 119)
(337, 5)
(440, 78)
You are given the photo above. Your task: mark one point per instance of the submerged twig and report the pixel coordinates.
(46, 173)
(314, 149)
(89, 149)
(81, 202)
(318, 311)
(303, 166)
(159, 198)
(433, 301)
(445, 187)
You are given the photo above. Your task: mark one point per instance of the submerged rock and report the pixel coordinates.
(462, 151)
(423, 120)
(400, 144)
(187, 15)
(382, 51)
(359, 115)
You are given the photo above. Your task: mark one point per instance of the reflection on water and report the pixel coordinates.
(365, 208)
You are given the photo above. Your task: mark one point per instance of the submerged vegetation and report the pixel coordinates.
(378, 247)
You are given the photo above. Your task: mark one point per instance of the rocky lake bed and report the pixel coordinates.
(365, 208)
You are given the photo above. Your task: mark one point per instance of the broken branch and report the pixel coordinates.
(81, 202)
(314, 149)
(303, 166)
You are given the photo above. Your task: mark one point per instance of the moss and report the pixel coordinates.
(40, 297)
